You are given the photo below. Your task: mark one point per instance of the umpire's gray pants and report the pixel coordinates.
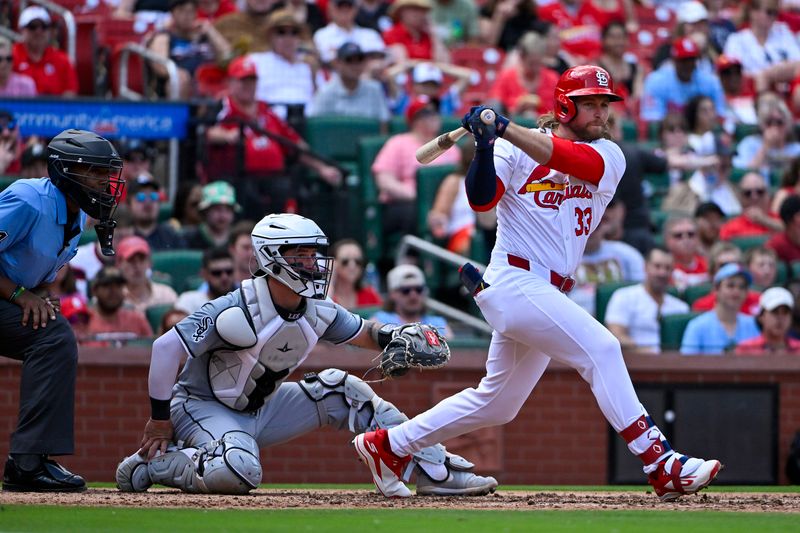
(289, 413)
(49, 358)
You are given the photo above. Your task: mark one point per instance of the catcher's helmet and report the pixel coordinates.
(583, 80)
(74, 158)
(274, 235)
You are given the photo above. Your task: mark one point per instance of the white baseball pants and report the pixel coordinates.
(533, 323)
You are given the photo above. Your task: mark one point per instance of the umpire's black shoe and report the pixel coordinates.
(48, 477)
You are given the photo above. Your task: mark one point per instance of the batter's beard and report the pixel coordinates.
(583, 133)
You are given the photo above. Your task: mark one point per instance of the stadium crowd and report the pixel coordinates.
(698, 253)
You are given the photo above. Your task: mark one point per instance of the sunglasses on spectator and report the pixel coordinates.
(220, 271)
(33, 26)
(754, 193)
(770, 12)
(674, 129)
(347, 260)
(345, 3)
(7, 59)
(147, 196)
(288, 30)
(405, 291)
(775, 122)
(684, 235)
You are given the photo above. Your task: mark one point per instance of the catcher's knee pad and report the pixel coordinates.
(356, 392)
(229, 465)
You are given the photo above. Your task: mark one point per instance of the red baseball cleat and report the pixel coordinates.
(679, 475)
(386, 467)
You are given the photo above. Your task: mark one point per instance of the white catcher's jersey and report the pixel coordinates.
(243, 377)
(545, 215)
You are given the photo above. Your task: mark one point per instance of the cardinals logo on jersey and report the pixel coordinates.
(550, 193)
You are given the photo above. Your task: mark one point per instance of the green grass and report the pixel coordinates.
(84, 520)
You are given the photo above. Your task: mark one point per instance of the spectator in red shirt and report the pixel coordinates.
(755, 218)
(109, 320)
(775, 320)
(787, 243)
(265, 159)
(526, 88)
(722, 254)
(214, 9)
(580, 25)
(51, 69)
(680, 239)
(411, 36)
(348, 287)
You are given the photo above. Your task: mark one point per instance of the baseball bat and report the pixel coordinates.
(436, 147)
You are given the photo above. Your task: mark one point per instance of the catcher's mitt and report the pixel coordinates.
(413, 346)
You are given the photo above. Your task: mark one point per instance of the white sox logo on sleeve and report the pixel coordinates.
(202, 328)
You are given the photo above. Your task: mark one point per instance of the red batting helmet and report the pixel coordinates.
(583, 80)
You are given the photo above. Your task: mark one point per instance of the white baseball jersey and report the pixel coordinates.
(545, 215)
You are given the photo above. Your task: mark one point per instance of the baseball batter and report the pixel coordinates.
(231, 398)
(551, 187)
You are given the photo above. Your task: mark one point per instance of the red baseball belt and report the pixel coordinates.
(562, 283)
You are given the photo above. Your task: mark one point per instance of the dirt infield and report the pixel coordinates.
(351, 499)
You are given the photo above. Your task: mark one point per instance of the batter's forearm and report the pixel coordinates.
(534, 143)
(481, 181)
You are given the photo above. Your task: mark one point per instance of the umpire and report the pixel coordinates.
(41, 221)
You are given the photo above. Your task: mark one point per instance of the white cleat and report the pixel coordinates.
(386, 467)
(679, 475)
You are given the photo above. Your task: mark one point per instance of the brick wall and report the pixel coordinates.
(559, 437)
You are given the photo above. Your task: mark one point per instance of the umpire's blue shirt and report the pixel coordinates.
(33, 215)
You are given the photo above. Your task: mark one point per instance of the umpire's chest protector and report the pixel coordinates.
(270, 346)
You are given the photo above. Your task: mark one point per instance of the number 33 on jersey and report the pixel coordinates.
(549, 214)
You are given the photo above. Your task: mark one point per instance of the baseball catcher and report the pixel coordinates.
(231, 398)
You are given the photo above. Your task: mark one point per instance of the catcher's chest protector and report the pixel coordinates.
(243, 379)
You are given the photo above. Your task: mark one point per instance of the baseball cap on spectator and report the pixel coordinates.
(708, 207)
(692, 12)
(405, 276)
(420, 106)
(132, 245)
(730, 270)
(32, 153)
(427, 72)
(775, 297)
(31, 13)
(107, 276)
(349, 50)
(725, 63)
(242, 67)
(73, 308)
(143, 181)
(684, 48)
(218, 193)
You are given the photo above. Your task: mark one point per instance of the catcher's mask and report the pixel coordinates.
(294, 250)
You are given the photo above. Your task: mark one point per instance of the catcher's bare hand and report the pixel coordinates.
(413, 346)
(157, 436)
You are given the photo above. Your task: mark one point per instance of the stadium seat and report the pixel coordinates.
(369, 210)
(337, 137)
(164, 212)
(428, 181)
(743, 130)
(397, 124)
(695, 292)
(87, 236)
(603, 296)
(179, 264)
(5, 181)
(672, 328)
(154, 315)
(753, 241)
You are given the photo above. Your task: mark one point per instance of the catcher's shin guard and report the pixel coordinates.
(229, 465)
(132, 474)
